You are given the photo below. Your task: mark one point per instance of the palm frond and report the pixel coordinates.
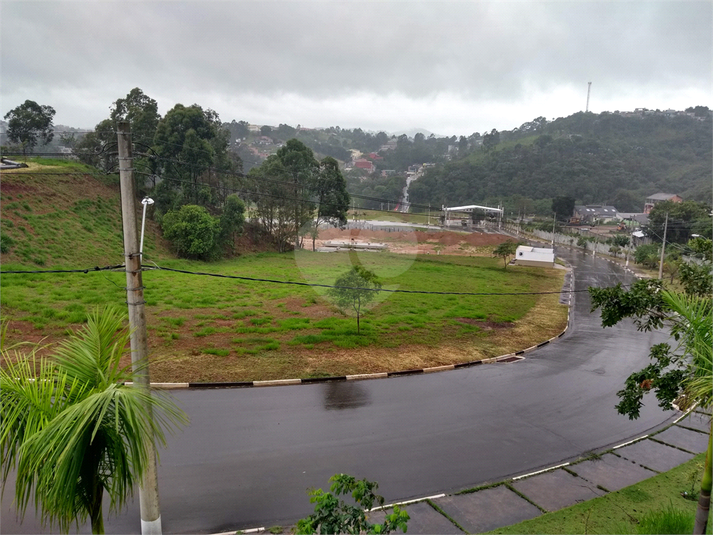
(74, 429)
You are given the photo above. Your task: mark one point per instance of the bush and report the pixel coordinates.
(192, 231)
(332, 515)
(6, 243)
(647, 255)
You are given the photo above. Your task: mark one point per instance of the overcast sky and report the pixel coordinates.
(447, 67)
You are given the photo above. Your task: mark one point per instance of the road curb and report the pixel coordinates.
(505, 359)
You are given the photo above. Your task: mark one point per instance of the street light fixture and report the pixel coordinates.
(146, 201)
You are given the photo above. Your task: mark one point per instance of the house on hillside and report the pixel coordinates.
(534, 256)
(363, 163)
(653, 200)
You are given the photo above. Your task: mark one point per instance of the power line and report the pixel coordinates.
(87, 270)
(156, 267)
(315, 285)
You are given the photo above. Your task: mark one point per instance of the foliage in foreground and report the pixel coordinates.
(332, 515)
(684, 374)
(73, 429)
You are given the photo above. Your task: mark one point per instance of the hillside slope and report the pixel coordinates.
(595, 158)
(60, 213)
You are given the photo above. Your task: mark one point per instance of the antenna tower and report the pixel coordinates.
(589, 88)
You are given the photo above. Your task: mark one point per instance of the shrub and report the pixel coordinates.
(647, 255)
(192, 231)
(6, 243)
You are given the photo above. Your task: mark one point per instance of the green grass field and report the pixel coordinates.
(59, 214)
(290, 330)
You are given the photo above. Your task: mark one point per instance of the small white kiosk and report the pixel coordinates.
(534, 256)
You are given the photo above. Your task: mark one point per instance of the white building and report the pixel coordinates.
(534, 256)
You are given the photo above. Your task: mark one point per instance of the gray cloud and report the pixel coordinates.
(254, 60)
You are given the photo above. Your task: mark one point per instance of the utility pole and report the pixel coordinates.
(554, 226)
(589, 88)
(148, 489)
(429, 214)
(663, 247)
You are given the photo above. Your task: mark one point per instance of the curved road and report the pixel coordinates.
(250, 454)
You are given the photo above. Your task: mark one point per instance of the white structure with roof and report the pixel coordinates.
(534, 256)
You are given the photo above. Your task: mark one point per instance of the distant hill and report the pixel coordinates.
(595, 158)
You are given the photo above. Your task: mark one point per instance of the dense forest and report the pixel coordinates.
(594, 158)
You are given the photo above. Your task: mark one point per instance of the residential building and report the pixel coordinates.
(653, 200)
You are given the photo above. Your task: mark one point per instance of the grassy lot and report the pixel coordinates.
(61, 214)
(205, 328)
(621, 511)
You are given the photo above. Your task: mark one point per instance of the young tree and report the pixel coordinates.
(29, 123)
(505, 250)
(332, 515)
(355, 289)
(73, 428)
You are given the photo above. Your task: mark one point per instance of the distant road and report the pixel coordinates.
(250, 454)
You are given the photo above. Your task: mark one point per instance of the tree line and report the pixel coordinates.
(183, 160)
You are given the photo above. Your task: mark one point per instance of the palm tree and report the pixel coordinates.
(693, 327)
(73, 429)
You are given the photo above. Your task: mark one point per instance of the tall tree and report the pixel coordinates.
(30, 123)
(142, 112)
(302, 169)
(191, 144)
(563, 207)
(332, 197)
(72, 427)
(684, 219)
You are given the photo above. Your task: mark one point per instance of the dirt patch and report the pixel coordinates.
(419, 242)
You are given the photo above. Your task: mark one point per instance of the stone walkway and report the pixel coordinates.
(513, 501)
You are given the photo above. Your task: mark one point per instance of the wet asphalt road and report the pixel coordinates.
(249, 455)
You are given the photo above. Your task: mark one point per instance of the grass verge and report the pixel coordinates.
(624, 510)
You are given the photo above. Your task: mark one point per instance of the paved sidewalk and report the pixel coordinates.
(513, 501)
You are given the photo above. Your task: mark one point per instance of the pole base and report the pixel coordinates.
(151, 527)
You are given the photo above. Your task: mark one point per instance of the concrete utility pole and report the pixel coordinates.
(589, 88)
(663, 247)
(148, 489)
(554, 226)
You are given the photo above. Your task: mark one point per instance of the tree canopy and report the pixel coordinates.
(30, 123)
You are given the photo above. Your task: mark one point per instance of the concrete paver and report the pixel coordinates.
(557, 489)
(424, 519)
(488, 509)
(654, 455)
(684, 438)
(611, 472)
(695, 420)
